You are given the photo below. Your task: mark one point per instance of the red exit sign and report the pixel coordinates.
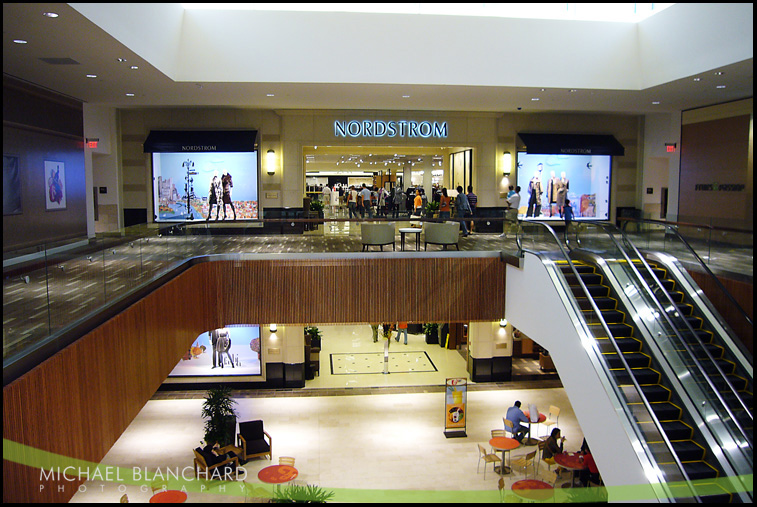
(670, 147)
(92, 142)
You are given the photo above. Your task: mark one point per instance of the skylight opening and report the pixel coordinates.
(615, 12)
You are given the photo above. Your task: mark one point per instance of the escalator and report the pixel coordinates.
(710, 348)
(685, 447)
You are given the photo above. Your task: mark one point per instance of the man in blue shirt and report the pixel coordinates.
(516, 416)
(568, 214)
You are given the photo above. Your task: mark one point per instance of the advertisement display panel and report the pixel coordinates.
(202, 185)
(230, 350)
(583, 179)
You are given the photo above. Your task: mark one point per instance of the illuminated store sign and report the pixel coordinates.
(379, 128)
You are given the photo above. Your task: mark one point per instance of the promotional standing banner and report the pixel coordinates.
(455, 399)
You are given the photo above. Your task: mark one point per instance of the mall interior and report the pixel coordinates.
(196, 165)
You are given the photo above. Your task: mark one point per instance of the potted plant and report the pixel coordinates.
(317, 206)
(315, 336)
(432, 209)
(220, 417)
(432, 333)
(294, 493)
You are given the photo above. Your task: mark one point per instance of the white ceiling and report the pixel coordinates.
(295, 60)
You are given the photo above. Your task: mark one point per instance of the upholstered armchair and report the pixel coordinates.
(205, 463)
(441, 234)
(377, 234)
(252, 439)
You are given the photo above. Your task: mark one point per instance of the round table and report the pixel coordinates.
(277, 474)
(572, 461)
(529, 440)
(532, 489)
(410, 230)
(504, 444)
(169, 496)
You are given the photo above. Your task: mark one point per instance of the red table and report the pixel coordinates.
(169, 496)
(504, 444)
(542, 418)
(277, 474)
(572, 461)
(531, 489)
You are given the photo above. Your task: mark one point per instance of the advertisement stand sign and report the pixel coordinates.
(455, 400)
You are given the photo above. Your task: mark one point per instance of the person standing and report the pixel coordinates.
(516, 416)
(352, 202)
(445, 208)
(365, 193)
(399, 202)
(374, 329)
(462, 209)
(567, 211)
(472, 202)
(402, 328)
(226, 183)
(513, 201)
(418, 202)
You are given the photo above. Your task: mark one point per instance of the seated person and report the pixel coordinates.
(553, 445)
(216, 455)
(516, 416)
(591, 472)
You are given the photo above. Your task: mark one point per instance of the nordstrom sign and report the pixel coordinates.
(379, 128)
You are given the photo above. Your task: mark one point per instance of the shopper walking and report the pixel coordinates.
(399, 202)
(462, 208)
(401, 328)
(352, 202)
(567, 210)
(445, 208)
(472, 202)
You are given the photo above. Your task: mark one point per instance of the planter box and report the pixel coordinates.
(432, 338)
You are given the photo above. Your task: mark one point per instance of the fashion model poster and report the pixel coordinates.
(230, 350)
(55, 185)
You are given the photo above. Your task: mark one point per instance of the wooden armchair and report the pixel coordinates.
(216, 470)
(252, 439)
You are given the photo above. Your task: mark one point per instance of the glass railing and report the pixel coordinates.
(661, 463)
(50, 287)
(678, 346)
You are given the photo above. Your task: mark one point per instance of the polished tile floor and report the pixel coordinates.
(366, 436)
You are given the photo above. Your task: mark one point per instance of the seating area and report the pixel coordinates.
(209, 466)
(444, 234)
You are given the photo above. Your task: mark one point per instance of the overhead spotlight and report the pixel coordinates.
(89, 258)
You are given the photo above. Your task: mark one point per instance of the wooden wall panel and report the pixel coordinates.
(79, 402)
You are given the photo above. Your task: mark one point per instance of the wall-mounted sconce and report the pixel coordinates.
(270, 162)
(507, 163)
(503, 323)
(272, 328)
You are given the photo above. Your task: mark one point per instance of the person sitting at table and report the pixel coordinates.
(552, 447)
(214, 451)
(516, 416)
(591, 472)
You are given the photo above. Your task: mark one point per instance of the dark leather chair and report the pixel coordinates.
(252, 439)
(214, 467)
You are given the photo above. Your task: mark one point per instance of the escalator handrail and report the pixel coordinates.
(662, 311)
(626, 366)
(685, 224)
(699, 260)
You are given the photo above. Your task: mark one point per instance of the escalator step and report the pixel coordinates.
(739, 383)
(617, 330)
(644, 376)
(666, 411)
(581, 268)
(602, 303)
(676, 430)
(685, 309)
(715, 351)
(634, 360)
(676, 297)
(587, 278)
(596, 291)
(699, 470)
(610, 316)
(624, 344)
(688, 450)
(655, 393)
(694, 322)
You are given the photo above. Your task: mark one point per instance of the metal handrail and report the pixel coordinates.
(626, 366)
(685, 224)
(675, 329)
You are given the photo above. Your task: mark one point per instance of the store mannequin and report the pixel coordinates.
(534, 199)
(552, 191)
(563, 184)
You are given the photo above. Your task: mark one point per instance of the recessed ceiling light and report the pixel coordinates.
(129, 94)
(406, 96)
(697, 79)
(50, 14)
(121, 59)
(656, 102)
(133, 67)
(719, 73)
(269, 95)
(91, 76)
(544, 90)
(572, 91)
(19, 41)
(720, 86)
(534, 99)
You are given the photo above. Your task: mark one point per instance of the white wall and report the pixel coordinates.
(533, 305)
(660, 168)
(102, 165)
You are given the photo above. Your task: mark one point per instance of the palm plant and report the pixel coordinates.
(218, 410)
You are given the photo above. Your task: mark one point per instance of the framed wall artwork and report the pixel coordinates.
(11, 185)
(55, 185)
